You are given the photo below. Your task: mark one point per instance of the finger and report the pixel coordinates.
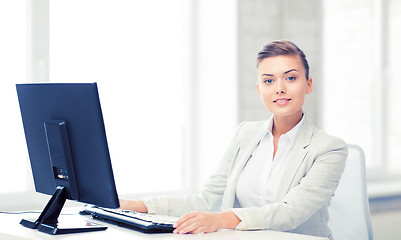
(190, 228)
(199, 230)
(184, 218)
(181, 223)
(187, 226)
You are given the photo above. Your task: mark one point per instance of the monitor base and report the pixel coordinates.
(48, 219)
(62, 228)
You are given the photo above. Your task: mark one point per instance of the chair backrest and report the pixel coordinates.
(349, 215)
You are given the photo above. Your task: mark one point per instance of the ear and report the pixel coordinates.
(258, 88)
(309, 86)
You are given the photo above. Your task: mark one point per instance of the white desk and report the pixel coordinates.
(10, 229)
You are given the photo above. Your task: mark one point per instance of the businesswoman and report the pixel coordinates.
(277, 174)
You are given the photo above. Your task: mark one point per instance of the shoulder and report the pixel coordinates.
(250, 128)
(325, 140)
(250, 125)
(247, 133)
(322, 142)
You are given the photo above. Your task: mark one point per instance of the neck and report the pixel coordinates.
(283, 124)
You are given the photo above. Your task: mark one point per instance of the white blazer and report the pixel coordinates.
(313, 171)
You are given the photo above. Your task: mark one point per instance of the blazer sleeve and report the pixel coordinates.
(312, 187)
(209, 198)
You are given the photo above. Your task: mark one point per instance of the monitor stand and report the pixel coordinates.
(47, 221)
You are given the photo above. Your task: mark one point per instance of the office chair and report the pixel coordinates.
(349, 215)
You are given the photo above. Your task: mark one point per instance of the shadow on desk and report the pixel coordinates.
(7, 236)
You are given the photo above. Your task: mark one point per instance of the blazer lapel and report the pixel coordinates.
(244, 153)
(296, 157)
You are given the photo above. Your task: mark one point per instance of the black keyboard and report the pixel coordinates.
(143, 222)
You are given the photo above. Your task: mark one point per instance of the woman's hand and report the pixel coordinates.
(202, 222)
(137, 206)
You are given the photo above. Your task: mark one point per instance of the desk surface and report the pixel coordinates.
(10, 229)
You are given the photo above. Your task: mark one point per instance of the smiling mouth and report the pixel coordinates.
(282, 100)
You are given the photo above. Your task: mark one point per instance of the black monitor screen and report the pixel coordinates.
(66, 141)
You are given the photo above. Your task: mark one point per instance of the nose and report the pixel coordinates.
(280, 87)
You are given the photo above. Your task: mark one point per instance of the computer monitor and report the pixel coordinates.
(68, 149)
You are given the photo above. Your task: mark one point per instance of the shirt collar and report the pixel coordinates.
(292, 134)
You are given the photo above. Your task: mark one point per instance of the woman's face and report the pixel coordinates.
(282, 85)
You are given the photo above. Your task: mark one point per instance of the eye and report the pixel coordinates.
(268, 81)
(291, 79)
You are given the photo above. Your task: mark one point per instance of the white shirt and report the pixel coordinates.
(257, 184)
